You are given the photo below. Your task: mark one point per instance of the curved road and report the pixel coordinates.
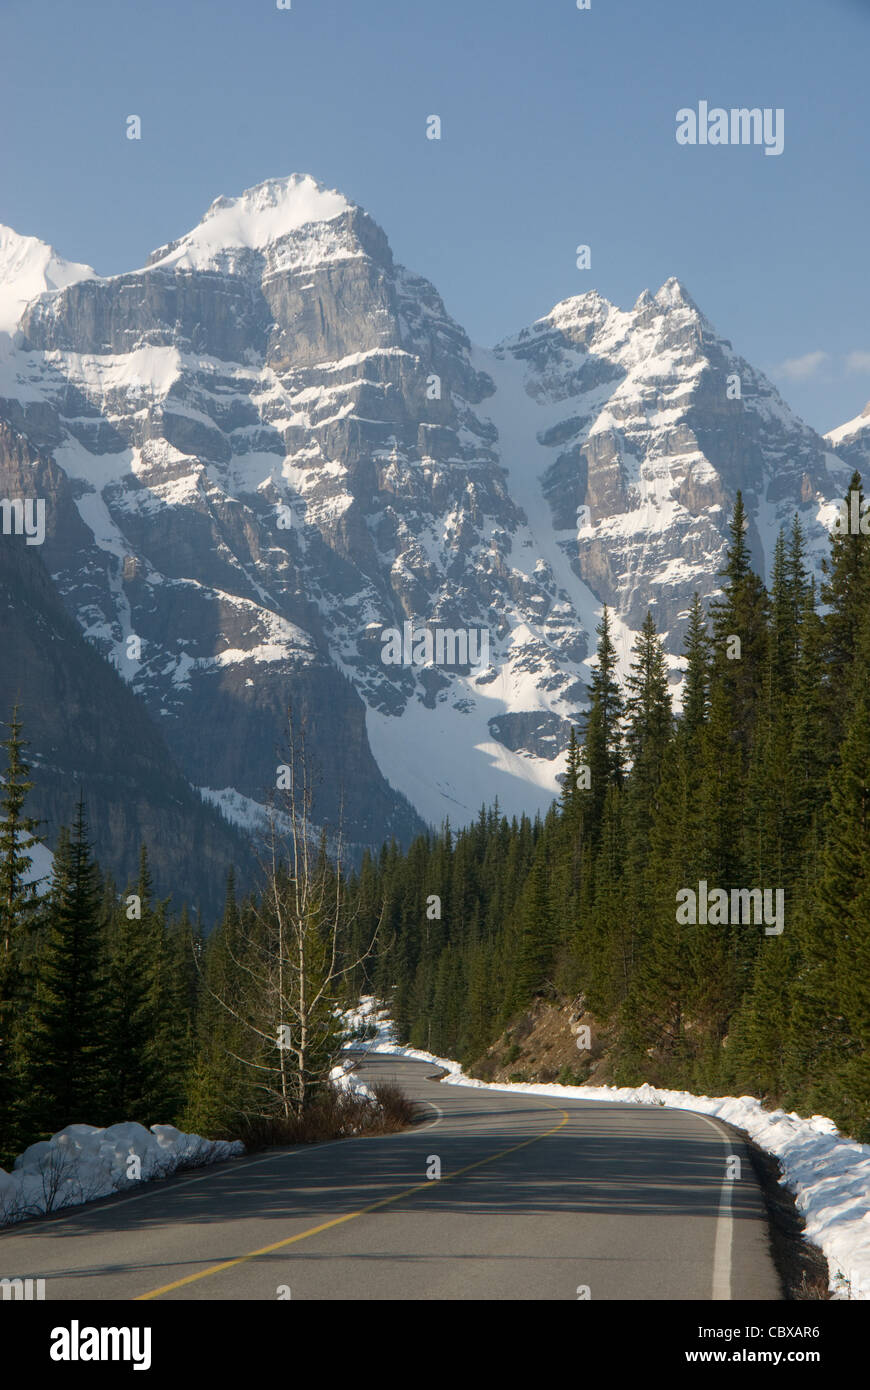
(538, 1199)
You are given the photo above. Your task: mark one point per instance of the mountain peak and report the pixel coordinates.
(674, 295)
(255, 219)
(591, 304)
(851, 430)
(29, 267)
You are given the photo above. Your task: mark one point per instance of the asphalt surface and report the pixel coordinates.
(537, 1199)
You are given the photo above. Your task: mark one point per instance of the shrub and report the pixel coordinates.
(335, 1114)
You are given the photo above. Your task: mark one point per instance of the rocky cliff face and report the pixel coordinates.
(87, 733)
(652, 423)
(271, 447)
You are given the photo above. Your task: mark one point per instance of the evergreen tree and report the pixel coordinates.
(603, 742)
(811, 749)
(18, 907)
(648, 706)
(846, 592)
(569, 797)
(696, 686)
(129, 1019)
(536, 934)
(739, 637)
(66, 1062)
(18, 899)
(835, 992)
(216, 1092)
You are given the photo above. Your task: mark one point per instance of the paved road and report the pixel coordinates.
(537, 1199)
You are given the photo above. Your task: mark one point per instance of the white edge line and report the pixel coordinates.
(724, 1225)
(439, 1111)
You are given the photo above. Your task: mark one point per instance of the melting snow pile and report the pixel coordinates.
(343, 1078)
(356, 1024)
(828, 1174)
(82, 1163)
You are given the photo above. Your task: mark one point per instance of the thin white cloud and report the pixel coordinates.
(858, 362)
(801, 368)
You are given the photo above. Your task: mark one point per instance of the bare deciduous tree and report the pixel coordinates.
(289, 953)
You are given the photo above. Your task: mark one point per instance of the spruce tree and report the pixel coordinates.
(66, 1061)
(696, 685)
(569, 797)
(648, 705)
(18, 898)
(740, 636)
(18, 908)
(536, 934)
(603, 740)
(129, 1018)
(832, 1010)
(846, 593)
(812, 751)
(215, 1085)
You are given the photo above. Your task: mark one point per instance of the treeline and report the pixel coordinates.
(114, 1009)
(761, 783)
(97, 988)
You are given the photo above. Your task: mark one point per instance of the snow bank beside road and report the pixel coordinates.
(829, 1175)
(343, 1078)
(82, 1163)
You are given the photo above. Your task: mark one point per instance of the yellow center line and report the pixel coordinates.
(351, 1216)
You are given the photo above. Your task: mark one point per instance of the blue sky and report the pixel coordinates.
(558, 129)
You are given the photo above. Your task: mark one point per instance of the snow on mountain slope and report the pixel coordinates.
(845, 433)
(520, 420)
(29, 267)
(852, 442)
(283, 394)
(651, 421)
(280, 447)
(259, 217)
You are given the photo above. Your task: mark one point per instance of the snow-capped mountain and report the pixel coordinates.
(29, 267)
(273, 446)
(652, 422)
(852, 441)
